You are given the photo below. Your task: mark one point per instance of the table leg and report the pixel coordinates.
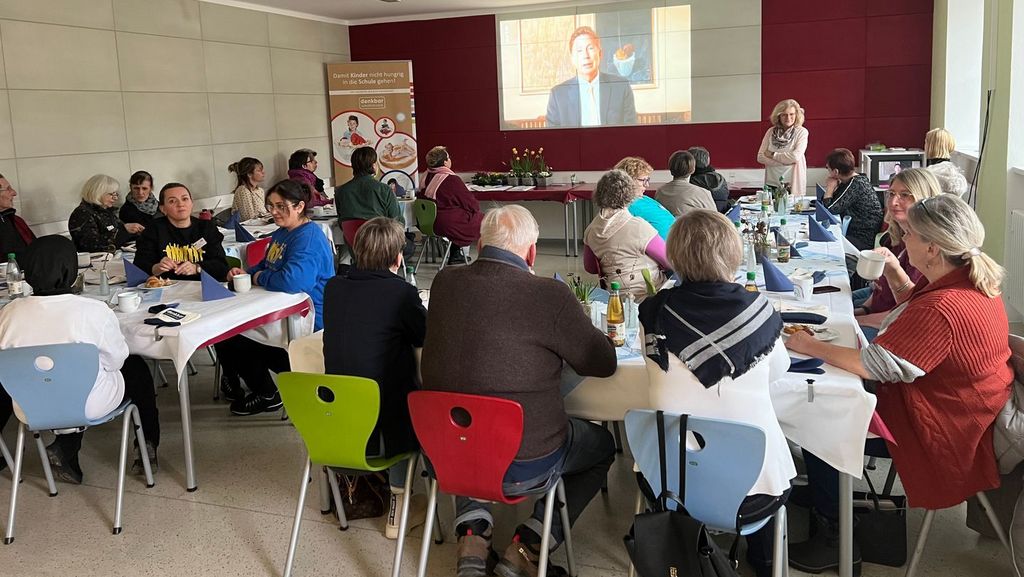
(186, 432)
(565, 208)
(845, 525)
(575, 231)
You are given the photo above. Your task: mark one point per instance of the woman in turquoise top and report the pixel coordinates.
(644, 206)
(298, 260)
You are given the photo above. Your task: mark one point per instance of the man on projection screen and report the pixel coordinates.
(592, 98)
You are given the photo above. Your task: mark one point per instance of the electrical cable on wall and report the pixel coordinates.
(972, 198)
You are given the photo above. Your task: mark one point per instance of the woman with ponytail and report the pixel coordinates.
(249, 197)
(941, 363)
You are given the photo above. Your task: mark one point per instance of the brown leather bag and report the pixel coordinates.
(363, 496)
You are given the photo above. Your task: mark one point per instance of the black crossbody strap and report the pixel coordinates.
(660, 415)
(682, 457)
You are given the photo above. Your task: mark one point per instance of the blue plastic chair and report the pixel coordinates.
(51, 383)
(718, 476)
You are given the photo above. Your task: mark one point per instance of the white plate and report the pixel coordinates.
(823, 334)
(749, 199)
(143, 287)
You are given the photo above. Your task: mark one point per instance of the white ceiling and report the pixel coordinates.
(371, 11)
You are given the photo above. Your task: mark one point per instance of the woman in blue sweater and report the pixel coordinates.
(298, 260)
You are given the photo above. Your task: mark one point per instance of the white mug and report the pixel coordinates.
(870, 265)
(318, 211)
(803, 287)
(84, 260)
(128, 302)
(242, 282)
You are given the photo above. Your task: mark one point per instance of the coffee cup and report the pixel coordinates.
(803, 287)
(128, 302)
(870, 265)
(241, 282)
(84, 260)
(318, 211)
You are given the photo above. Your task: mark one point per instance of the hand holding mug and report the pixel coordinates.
(892, 263)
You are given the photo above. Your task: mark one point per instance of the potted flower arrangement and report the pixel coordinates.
(762, 243)
(521, 168)
(542, 172)
(582, 289)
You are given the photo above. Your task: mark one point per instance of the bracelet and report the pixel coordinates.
(903, 288)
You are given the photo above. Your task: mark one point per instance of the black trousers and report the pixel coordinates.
(138, 386)
(253, 362)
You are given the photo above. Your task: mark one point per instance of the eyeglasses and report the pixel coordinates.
(644, 181)
(901, 195)
(113, 194)
(279, 207)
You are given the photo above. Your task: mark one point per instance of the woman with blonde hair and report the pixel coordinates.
(941, 363)
(939, 145)
(894, 286)
(783, 147)
(643, 206)
(94, 225)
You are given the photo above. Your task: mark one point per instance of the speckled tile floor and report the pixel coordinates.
(238, 522)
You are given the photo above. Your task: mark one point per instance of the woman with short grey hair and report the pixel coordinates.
(618, 246)
(94, 224)
(679, 196)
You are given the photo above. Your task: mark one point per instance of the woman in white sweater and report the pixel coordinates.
(783, 148)
(250, 200)
(714, 348)
(939, 145)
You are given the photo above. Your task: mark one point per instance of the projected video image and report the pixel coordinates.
(610, 68)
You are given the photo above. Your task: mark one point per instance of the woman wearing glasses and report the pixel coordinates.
(907, 187)
(298, 260)
(642, 205)
(941, 364)
(94, 224)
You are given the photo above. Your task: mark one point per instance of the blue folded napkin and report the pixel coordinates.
(774, 279)
(824, 215)
(818, 276)
(805, 365)
(134, 275)
(801, 244)
(558, 277)
(819, 192)
(734, 213)
(213, 290)
(232, 220)
(243, 235)
(793, 252)
(817, 233)
(803, 318)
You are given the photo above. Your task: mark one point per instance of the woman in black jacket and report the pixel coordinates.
(94, 225)
(705, 176)
(181, 245)
(141, 206)
(373, 321)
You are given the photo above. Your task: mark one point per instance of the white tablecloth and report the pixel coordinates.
(833, 426)
(179, 343)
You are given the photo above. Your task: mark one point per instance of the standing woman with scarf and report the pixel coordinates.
(458, 211)
(141, 206)
(783, 147)
(15, 235)
(726, 377)
(53, 316)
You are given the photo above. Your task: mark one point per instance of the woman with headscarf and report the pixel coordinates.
(51, 316)
(783, 147)
(141, 206)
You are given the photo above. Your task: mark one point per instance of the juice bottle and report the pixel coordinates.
(751, 285)
(616, 317)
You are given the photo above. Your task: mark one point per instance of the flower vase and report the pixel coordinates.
(527, 180)
(542, 181)
(762, 251)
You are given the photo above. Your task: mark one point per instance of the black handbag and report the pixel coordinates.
(881, 526)
(670, 543)
(362, 496)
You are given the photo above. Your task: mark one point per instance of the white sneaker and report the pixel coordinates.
(417, 512)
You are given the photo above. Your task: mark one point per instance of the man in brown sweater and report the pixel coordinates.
(495, 329)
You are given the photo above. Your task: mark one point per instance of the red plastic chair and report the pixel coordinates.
(255, 251)
(470, 441)
(349, 228)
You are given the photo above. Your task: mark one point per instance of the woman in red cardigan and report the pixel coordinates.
(458, 211)
(15, 235)
(941, 359)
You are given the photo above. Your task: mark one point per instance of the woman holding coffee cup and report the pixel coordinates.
(899, 276)
(940, 362)
(181, 245)
(298, 260)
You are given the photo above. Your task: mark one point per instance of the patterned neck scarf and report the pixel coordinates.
(148, 206)
(781, 137)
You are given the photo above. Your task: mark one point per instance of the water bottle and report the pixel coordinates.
(15, 278)
(410, 275)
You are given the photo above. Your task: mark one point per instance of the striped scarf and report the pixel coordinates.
(717, 329)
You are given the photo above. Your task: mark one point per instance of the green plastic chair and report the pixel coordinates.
(335, 415)
(426, 213)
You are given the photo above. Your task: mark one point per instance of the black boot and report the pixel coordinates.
(821, 552)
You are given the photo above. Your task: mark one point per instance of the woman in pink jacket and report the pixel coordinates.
(783, 147)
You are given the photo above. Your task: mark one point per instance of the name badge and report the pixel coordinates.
(110, 227)
(199, 243)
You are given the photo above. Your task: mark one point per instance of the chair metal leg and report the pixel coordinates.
(566, 530)
(890, 479)
(780, 567)
(421, 569)
(983, 499)
(438, 530)
(447, 252)
(6, 453)
(403, 519)
(325, 491)
(294, 541)
(922, 537)
(617, 431)
(545, 539)
(192, 371)
(216, 378)
(19, 453)
(121, 466)
(332, 478)
(140, 439)
(45, 460)
(213, 355)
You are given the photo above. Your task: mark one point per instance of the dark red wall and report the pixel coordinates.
(860, 68)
